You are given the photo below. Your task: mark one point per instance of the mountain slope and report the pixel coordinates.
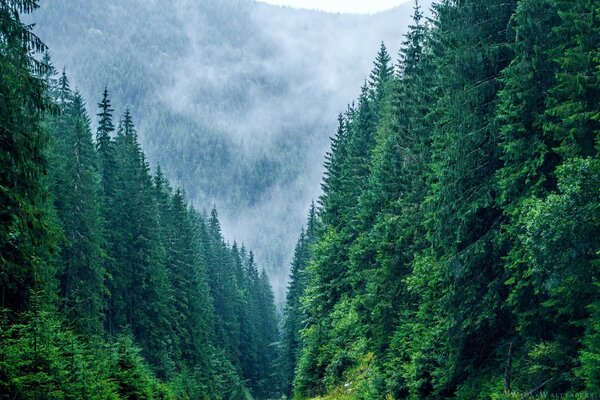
(237, 96)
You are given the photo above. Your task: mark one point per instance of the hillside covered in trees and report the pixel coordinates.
(113, 287)
(455, 250)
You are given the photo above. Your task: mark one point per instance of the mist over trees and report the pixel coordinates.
(453, 250)
(218, 86)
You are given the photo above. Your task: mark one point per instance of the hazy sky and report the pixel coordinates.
(344, 6)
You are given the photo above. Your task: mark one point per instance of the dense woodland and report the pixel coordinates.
(113, 287)
(455, 250)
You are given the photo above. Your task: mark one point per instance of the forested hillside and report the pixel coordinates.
(112, 286)
(236, 98)
(455, 250)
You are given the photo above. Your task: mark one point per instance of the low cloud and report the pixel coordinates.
(235, 99)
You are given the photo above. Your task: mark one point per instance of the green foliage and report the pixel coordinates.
(41, 360)
(528, 149)
(294, 317)
(112, 286)
(572, 105)
(560, 238)
(458, 253)
(26, 232)
(75, 189)
(131, 376)
(590, 353)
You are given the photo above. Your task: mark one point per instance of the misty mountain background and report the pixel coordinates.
(235, 99)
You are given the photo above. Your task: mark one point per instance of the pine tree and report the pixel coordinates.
(382, 73)
(267, 337)
(293, 316)
(463, 218)
(329, 280)
(139, 287)
(82, 277)
(193, 309)
(390, 211)
(223, 288)
(528, 149)
(130, 373)
(104, 144)
(572, 105)
(25, 232)
(357, 163)
(562, 277)
(331, 200)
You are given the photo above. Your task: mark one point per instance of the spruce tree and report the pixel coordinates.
(390, 211)
(293, 322)
(540, 143)
(330, 201)
(381, 74)
(463, 218)
(82, 276)
(223, 288)
(25, 232)
(104, 143)
(139, 286)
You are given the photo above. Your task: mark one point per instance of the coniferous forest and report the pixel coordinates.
(454, 251)
(113, 287)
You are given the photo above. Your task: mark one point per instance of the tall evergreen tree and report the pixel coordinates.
(82, 275)
(189, 283)
(25, 230)
(382, 73)
(463, 218)
(572, 105)
(550, 140)
(223, 287)
(104, 143)
(293, 315)
(390, 208)
(331, 200)
(329, 281)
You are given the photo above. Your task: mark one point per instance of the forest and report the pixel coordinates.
(454, 251)
(113, 287)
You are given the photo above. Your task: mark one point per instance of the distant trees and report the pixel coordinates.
(457, 252)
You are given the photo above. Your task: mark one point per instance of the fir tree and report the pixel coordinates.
(294, 317)
(82, 284)
(25, 232)
(104, 143)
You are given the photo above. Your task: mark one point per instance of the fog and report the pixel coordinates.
(235, 99)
